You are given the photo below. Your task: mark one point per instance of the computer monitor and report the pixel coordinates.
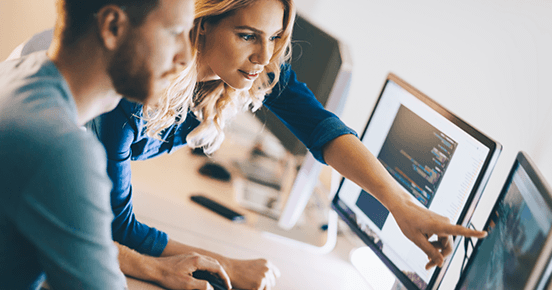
(442, 162)
(519, 242)
(323, 63)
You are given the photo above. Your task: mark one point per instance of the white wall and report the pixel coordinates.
(21, 19)
(490, 62)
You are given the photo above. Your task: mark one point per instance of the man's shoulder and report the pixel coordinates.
(38, 135)
(39, 41)
(34, 94)
(34, 74)
(39, 116)
(28, 65)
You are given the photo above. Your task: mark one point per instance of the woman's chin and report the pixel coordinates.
(114, 100)
(241, 86)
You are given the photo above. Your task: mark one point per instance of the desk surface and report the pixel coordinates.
(162, 189)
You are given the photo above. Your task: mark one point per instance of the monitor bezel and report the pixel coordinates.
(522, 160)
(488, 165)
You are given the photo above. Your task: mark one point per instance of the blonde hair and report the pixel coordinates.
(214, 102)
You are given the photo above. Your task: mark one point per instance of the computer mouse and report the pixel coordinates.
(213, 279)
(215, 171)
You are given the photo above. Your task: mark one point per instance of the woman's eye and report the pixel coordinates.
(247, 37)
(273, 38)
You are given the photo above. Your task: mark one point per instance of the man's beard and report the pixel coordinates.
(131, 76)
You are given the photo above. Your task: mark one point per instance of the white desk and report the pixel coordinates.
(162, 187)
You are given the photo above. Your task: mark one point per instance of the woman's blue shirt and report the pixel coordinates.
(122, 132)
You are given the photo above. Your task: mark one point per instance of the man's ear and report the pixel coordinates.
(113, 25)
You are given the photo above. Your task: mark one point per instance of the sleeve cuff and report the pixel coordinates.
(154, 245)
(329, 129)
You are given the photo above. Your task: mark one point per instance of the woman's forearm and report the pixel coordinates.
(353, 160)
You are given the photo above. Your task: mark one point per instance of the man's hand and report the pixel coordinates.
(257, 274)
(419, 224)
(176, 271)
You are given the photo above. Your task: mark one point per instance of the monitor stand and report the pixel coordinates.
(316, 229)
(313, 239)
(374, 271)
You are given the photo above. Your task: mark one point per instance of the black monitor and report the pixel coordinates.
(440, 160)
(518, 247)
(323, 63)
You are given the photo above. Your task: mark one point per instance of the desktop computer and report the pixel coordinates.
(442, 162)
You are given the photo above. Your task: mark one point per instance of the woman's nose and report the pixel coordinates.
(263, 55)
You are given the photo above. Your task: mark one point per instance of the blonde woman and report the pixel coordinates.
(240, 64)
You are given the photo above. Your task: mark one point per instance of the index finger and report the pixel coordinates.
(457, 230)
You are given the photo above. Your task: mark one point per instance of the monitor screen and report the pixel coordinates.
(440, 160)
(519, 235)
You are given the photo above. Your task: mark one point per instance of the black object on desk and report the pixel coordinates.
(215, 171)
(213, 279)
(218, 208)
(198, 151)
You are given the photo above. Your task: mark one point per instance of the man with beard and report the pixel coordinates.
(55, 213)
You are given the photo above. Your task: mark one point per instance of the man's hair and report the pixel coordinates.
(76, 17)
